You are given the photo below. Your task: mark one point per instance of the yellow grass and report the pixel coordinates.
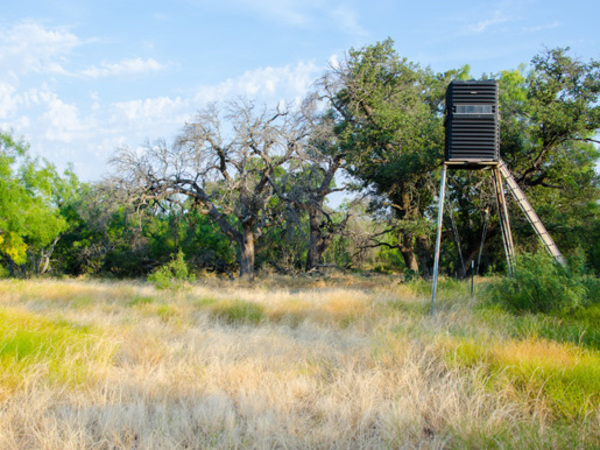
(343, 363)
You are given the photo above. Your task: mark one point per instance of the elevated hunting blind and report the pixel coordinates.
(472, 122)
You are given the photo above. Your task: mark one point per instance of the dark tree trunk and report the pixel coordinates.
(314, 255)
(408, 252)
(247, 251)
(406, 242)
(425, 256)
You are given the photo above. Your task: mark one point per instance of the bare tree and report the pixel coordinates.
(312, 178)
(224, 160)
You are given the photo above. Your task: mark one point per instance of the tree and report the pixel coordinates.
(224, 161)
(109, 235)
(311, 179)
(548, 132)
(105, 234)
(389, 126)
(548, 111)
(29, 220)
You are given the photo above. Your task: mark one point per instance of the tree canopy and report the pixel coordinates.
(29, 218)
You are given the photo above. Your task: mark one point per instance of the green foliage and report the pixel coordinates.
(29, 342)
(548, 116)
(29, 219)
(539, 285)
(172, 275)
(390, 128)
(567, 379)
(238, 312)
(141, 300)
(109, 236)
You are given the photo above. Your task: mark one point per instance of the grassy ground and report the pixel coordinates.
(348, 362)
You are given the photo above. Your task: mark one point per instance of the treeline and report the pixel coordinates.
(245, 187)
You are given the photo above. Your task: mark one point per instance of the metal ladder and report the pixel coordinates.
(532, 217)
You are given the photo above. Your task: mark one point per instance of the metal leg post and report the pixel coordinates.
(438, 238)
(507, 240)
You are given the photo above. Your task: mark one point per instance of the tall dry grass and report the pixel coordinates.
(347, 363)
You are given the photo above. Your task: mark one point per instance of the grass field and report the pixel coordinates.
(346, 362)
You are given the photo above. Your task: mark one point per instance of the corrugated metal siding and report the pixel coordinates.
(472, 136)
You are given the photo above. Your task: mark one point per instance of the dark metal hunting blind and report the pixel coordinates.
(472, 122)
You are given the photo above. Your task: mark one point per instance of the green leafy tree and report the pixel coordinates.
(308, 182)
(388, 114)
(30, 224)
(550, 119)
(109, 235)
(104, 234)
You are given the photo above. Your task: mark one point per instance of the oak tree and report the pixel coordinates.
(223, 160)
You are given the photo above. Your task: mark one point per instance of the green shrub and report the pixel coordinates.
(539, 285)
(592, 285)
(172, 275)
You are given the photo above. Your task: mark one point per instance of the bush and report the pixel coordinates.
(539, 285)
(172, 275)
(592, 285)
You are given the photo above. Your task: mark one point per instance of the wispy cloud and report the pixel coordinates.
(28, 47)
(347, 19)
(486, 25)
(150, 111)
(538, 28)
(134, 66)
(268, 84)
(63, 120)
(300, 13)
(288, 11)
(9, 100)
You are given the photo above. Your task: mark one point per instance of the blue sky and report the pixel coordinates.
(80, 78)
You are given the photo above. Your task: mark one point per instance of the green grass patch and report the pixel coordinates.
(412, 307)
(581, 327)
(141, 300)
(166, 312)
(238, 312)
(204, 302)
(58, 350)
(564, 376)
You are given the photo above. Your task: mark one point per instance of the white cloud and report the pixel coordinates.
(347, 20)
(9, 101)
(538, 28)
(300, 13)
(125, 67)
(29, 47)
(62, 119)
(484, 25)
(268, 84)
(151, 111)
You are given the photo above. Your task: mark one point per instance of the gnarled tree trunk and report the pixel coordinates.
(247, 251)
